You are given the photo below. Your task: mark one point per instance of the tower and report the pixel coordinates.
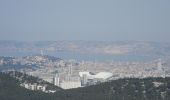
(70, 72)
(57, 80)
(70, 69)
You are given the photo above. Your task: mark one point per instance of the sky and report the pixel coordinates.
(101, 20)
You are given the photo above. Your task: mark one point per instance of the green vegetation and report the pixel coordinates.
(126, 89)
(24, 78)
(10, 90)
(122, 89)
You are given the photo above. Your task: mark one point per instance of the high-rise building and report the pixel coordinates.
(57, 80)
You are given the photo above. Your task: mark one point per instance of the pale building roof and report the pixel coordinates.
(101, 75)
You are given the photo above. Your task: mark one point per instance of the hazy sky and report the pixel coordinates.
(30, 20)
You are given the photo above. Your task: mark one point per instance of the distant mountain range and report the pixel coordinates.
(122, 89)
(87, 50)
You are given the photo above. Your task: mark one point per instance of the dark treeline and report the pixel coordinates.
(122, 89)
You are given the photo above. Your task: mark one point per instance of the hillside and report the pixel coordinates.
(10, 90)
(122, 89)
(126, 89)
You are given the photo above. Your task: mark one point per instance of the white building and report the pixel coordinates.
(42, 88)
(88, 78)
(103, 75)
(1, 62)
(26, 86)
(100, 75)
(57, 80)
(70, 84)
(33, 87)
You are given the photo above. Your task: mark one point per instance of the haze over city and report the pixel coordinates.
(105, 20)
(84, 49)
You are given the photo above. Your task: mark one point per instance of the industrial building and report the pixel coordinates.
(70, 84)
(100, 75)
(66, 84)
(89, 78)
(82, 79)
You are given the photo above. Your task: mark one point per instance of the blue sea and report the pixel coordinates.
(86, 57)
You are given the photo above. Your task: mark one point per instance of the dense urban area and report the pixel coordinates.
(72, 74)
(39, 72)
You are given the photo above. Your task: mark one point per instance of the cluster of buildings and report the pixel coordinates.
(89, 78)
(74, 74)
(37, 87)
(66, 84)
(85, 79)
(134, 70)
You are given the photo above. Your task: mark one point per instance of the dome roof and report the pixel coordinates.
(103, 75)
